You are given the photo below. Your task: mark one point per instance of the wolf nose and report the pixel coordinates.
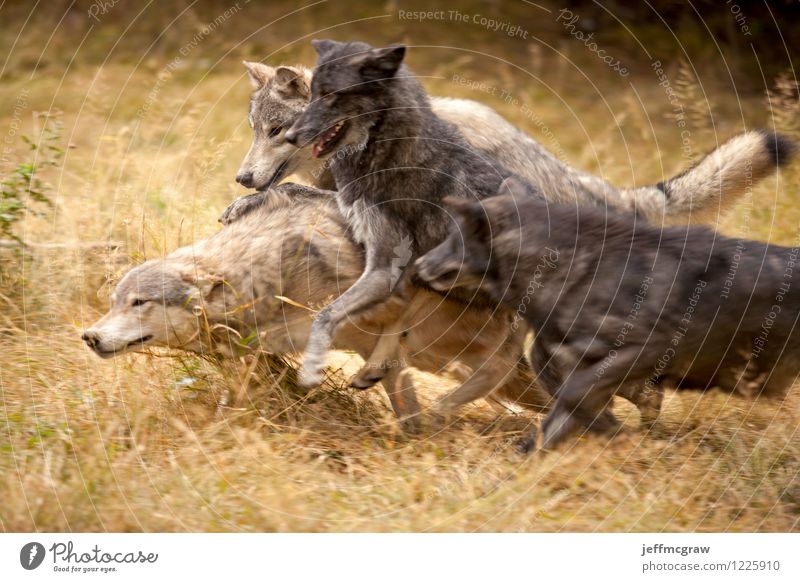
(90, 338)
(245, 179)
(291, 136)
(417, 279)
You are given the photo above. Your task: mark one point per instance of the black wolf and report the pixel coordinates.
(614, 301)
(402, 161)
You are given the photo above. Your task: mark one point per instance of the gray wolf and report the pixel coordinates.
(402, 160)
(698, 195)
(255, 284)
(613, 301)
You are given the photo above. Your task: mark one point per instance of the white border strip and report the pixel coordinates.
(403, 557)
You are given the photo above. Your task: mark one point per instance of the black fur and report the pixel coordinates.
(629, 303)
(395, 163)
(781, 149)
(408, 160)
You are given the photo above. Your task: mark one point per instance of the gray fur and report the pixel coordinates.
(715, 311)
(402, 161)
(699, 194)
(404, 158)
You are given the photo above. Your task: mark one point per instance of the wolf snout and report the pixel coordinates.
(245, 179)
(94, 342)
(291, 135)
(92, 338)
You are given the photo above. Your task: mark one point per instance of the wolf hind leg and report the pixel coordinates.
(399, 314)
(584, 398)
(383, 358)
(399, 387)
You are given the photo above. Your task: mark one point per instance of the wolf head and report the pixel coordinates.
(280, 95)
(464, 258)
(484, 250)
(157, 303)
(348, 94)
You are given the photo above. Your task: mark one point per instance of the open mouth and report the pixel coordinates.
(111, 353)
(329, 139)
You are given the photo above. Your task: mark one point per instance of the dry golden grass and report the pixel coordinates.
(124, 445)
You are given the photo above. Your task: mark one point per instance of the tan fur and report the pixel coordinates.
(264, 276)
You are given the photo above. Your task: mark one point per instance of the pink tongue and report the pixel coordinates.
(320, 144)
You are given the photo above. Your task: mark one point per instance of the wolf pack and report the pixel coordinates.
(430, 233)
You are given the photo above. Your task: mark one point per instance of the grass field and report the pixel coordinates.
(151, 149)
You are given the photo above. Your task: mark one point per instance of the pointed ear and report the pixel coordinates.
(471, 217)
(323, 46)
(204, 284)
(207, 283)
(259, 73)
(381, 63)
(291, 82)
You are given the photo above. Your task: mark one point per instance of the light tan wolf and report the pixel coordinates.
(255, 284)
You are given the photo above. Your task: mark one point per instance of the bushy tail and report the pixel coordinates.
(699, 194)
(716, 182)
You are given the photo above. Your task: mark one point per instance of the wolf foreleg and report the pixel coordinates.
(372, 288)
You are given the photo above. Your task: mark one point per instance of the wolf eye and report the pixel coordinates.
(138, 302)
(275, 130)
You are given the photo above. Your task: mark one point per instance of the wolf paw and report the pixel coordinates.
(310, 377)
(527, 444)
(556, 427)
(367, 377)
(242, 206)
(411, 425)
